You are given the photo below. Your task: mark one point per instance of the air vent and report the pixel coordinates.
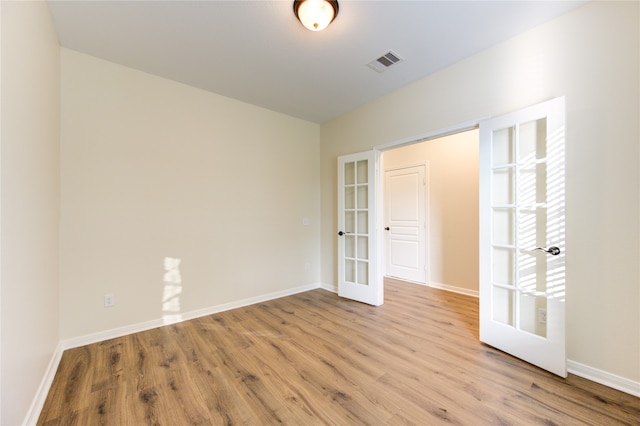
(385, 61)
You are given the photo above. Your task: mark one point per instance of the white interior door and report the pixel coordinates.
(522, 234)
(405, 223)
(357, 273)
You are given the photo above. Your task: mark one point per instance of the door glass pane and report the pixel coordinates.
(363, 172)
(503, 305)
(363, 222)
(503, 266)
(532, 228)
(503, 226)
(533, 314)
(349, 198)
(502, 147)
(527, 193)
(532, 140)
(349, 173)
(363, 273)
(527, 268)
(527, 229)
(502, 186)
(349, 222)
(350, 270)
(349, 246)
(363, 197)
(363, 248)
(541, 183)
(532, 187)
(532, 267)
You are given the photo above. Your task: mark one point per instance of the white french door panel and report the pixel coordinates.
(522, 234)
(405, 223)
(358, 275)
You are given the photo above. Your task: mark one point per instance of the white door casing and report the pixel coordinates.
(522, 234)
(405, 223)
(358, 275)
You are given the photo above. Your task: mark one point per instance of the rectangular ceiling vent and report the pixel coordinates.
(385, 61)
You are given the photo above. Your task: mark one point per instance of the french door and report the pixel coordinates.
(357, 229)
(522, 234)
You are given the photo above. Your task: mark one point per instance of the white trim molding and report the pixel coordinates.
(604, 378)
(454, 289)
(611, 380)
(174, 319)
(329, 287)
(43, 390)
(439, 133)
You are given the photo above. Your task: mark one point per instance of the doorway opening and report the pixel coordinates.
(447, 245)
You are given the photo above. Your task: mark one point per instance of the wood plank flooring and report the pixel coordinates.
(314, 358)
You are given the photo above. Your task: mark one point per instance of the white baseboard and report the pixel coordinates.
(329, 287)
(43, 390)
(148, 325)
(459, 290)
(604, 378)
(611, 380)
(595, 375)
(454, 289)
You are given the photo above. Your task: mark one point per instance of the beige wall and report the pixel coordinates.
(153, 169)
(29, 201)
(591, 56)
(452, 231)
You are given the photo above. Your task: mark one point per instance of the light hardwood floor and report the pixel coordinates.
(314, 358)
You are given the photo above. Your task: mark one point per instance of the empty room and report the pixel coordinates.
(199, 216)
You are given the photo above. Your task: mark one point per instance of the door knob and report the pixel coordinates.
(340, 233)
(553, 250)
(386, 228)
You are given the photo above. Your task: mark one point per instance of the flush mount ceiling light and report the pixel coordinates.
(315, 15)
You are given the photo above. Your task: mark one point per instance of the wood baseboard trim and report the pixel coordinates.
(147, 325)
(43, 390)
(604, 378)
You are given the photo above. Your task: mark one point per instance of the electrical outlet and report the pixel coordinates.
(109, 300)
(542, 315)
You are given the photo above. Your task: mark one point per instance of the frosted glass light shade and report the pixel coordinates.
(315, 15)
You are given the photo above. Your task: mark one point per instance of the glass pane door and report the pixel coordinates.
(522, 236)
(356, 225)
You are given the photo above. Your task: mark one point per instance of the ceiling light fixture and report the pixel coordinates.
(315, 15)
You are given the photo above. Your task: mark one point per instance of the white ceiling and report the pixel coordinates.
(257, 52)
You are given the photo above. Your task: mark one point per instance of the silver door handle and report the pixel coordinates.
(553, 250)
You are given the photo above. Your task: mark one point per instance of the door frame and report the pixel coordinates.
(458, 128)
(436, 134)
